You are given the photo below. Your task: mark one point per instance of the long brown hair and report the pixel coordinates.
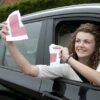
(95, 31)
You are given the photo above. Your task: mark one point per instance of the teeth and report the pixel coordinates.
(80, 50)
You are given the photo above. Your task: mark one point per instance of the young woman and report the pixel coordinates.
(83, 57)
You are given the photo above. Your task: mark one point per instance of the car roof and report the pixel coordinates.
(83, 8)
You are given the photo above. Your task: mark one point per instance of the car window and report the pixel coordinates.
(27, 47)
(64, 30)
(2, 48)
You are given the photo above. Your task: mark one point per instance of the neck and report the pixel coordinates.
(84, 60)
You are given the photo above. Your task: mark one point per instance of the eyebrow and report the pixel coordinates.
(84, 39)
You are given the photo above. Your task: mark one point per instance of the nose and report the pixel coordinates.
(81, 44)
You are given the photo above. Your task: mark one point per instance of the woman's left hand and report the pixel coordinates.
(64, 53)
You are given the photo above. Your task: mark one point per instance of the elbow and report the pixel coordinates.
(97, 81)
(26, 72)
(24, 69)
(31, 71)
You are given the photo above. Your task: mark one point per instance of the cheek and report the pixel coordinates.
(91, 48)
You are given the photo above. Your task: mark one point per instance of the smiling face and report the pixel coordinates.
(84, 45)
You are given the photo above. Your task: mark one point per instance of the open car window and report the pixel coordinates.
(63, 31)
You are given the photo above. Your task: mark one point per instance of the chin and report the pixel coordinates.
(81, 55)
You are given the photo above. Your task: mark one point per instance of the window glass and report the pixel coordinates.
(27, 47)
(1, 51)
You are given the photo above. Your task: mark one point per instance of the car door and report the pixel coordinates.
(10, 75)
(61, 28)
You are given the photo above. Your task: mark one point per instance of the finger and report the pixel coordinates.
(4, 23)
(3, 36)
(60, 53)
(64, 51)
(4, 29)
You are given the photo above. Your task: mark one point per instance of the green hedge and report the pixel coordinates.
(29, 6)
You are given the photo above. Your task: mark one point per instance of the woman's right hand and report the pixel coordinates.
(4, 32)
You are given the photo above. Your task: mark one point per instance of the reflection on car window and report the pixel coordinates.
(2, 51)
(27, 47)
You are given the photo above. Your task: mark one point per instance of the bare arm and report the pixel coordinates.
(20, 60)
(89, 73)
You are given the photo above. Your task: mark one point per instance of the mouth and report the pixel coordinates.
(81, 50)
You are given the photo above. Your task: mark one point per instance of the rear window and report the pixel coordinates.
(27, 47)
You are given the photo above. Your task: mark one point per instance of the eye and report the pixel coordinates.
(87, 42)
(77, 40)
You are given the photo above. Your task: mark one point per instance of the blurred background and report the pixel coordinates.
(30, 6)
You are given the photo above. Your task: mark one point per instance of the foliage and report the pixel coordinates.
(29, 6)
